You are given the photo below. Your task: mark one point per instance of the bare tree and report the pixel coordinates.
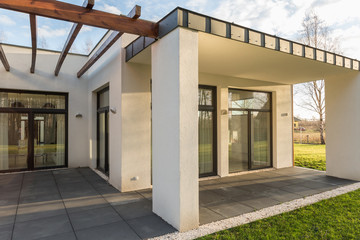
(317, 34)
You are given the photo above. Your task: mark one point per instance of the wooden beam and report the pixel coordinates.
(33, 41)
(73, 13)
(89, 4)
(3, 59)
(134, 14)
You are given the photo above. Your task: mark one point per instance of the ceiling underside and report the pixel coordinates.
(222, 56)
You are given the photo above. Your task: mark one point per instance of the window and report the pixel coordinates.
(249, 130)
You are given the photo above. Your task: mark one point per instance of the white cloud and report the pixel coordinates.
(47, 32)
(110, 9)
(86, 29)
(5, 20)
(197, 5)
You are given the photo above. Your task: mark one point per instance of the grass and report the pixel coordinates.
(335, 218)
(310, 156)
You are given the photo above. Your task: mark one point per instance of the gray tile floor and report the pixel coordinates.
(73, 204)
(232, 196)
(78, 204)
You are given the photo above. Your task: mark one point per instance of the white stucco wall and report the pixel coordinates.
(342, 126)
(130, 126)
(44, 79)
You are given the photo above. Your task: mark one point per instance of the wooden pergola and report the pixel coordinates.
(79, 15)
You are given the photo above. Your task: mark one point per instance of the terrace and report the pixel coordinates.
(78, 204)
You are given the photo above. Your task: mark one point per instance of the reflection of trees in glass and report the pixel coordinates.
(249, 100)
(205, 97)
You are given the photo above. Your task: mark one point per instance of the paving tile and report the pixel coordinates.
(208, 216)
(78, 193)
(135, 209)
(300, 190)
(208, 196)
(318, 185)
(6, 231)
(103, 187)
(86, 171)
(85, 203)
(123, 198)
(230, 192)
(93, 217)
(61, 236)
(150, 226)
(8, 201)
(7, 214)
(146, 193)
(42, 227)
(260, 203)
(38, 198)
(230, 208)
(255, 188)
(282, 196)
(333, 180)
(112, 231)
(38, 190)
(37, 210)
(249, 196)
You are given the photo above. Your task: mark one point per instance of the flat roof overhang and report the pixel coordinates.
(233, 50)
(227, 57)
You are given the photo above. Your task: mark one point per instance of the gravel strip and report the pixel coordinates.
(206, 229)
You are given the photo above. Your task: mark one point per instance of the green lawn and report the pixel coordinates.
(310, 156)
(335, 218)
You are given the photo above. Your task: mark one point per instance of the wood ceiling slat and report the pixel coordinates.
(134, 14)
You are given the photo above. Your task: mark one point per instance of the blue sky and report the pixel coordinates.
(280, 17)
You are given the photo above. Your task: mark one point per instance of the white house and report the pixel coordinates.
(205, 98)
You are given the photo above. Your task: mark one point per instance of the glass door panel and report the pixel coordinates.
(49, 140)
(102, 141)
(13, 141)
(206, 142)
(260, 140)
(238, 141)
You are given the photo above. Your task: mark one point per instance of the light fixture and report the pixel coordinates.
(113, 110)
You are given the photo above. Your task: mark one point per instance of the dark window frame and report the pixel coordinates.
(104, 110)
(213, 109)
(249, 113)
(31, 113)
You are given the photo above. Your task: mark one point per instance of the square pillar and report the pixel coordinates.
(342, 126)
(175, 129)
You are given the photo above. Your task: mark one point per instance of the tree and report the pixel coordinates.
(316, 33)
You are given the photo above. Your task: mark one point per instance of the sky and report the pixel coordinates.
(278, 17)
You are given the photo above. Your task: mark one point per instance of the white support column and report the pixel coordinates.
(175, 129)
(223, 131)
(342, 126)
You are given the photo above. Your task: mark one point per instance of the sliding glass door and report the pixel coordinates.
(207, 131)
(33, 130)
(249, 130)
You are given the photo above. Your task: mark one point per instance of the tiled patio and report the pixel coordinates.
(78, 204)
(232, 196)
(73, 204)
